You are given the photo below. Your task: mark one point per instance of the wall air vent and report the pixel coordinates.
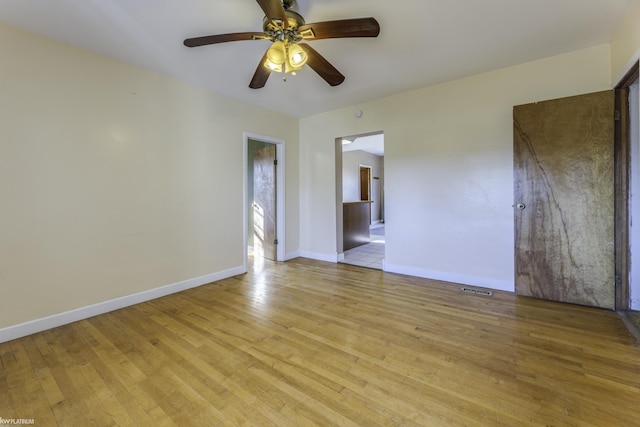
(477, 291)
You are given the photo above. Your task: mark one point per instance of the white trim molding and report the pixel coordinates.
(483, 282)
(291, 255)
(55, 320)
(320, 257)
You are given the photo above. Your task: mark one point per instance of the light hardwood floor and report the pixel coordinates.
(312, 343)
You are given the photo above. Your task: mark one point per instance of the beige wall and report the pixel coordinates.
(448, 167)
(625, 47)
(116, 180)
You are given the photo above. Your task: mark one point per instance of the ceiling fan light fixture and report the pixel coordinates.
(285, 57)
(273, 66)
(297, 56)
(276, 54)
(290, 69)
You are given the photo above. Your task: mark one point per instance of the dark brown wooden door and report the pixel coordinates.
(264, 202)
(564, 196)
(365, 183)
(365, 187)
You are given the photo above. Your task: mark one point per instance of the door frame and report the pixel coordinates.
(338, 190)
(622, 168)
(280, 194)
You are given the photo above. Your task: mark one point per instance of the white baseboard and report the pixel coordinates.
(291, 255)
(55, 320)
(319, 257)
(483, 282)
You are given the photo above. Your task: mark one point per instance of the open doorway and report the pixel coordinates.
(263, 199)
(360, 200)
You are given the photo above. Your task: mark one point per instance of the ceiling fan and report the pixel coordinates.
(286, 29)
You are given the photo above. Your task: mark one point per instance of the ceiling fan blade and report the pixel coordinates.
(273, 10)
(358, 27)
(321, 66)
(261, 75)
(222, 38)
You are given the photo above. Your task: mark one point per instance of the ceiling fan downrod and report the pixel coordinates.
(289, 4)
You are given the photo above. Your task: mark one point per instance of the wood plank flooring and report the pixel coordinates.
(308, 343)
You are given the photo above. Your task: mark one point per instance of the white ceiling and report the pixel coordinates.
(421, 43)
(373, 144)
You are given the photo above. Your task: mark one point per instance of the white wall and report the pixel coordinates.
(625, 47)
(448, 167)
(115, 180)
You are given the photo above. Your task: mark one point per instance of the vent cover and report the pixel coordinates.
(477, 292)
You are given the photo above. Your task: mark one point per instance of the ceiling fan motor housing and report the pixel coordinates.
(294, 19)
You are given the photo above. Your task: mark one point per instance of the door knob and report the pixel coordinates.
(520, 206)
